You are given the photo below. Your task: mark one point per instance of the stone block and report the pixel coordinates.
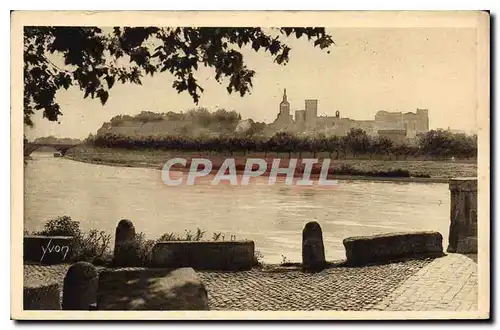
(151, 289)
(463, 215)
(463, 184)
(467, 245)
(47, 249)
(393, 246)
(230, 255)
(40, 295)
(313, 250)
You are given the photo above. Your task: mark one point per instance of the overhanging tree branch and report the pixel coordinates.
(148, 50)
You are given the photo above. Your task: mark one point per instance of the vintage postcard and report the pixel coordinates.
(250, 165)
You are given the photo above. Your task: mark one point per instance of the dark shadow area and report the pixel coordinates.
(473, 257)
(150, 289)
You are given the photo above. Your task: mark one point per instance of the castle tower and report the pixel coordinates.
(423, 125)
(285, 106)
(311, 113)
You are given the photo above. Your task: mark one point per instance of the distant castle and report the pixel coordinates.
(396, 125)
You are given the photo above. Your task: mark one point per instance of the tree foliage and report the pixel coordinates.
(197, 121)
(356, 142)
(92, 59)
(442, 143)
(55, 140)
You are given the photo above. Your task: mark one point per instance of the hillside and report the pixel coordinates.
(195, 122)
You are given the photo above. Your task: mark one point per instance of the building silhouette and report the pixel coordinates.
(385, 123)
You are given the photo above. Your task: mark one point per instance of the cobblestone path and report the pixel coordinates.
(339, 288)
(448, 283)
(343, 288)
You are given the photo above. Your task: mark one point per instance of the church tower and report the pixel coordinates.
(285, 106)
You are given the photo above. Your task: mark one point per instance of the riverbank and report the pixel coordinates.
(424, 171)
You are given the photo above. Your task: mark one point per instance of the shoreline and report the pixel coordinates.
(313, 176)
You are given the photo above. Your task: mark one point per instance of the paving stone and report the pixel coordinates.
(447, 283)
(405, 286)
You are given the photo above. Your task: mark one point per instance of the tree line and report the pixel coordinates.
(55, 140)
(199, 116)
(435, 144)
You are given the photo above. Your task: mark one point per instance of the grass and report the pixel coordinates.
(363, 167)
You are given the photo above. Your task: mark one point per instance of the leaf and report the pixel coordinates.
(110, 80)
(103, 95)
(256, 45)
(178, 50)
(275, 47)
(67, 82)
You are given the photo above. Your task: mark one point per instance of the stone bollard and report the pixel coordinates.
(80, 287)
(313, 250)
(125, 253)
(463, 216)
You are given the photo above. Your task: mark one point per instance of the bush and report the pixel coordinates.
(188, 236)
(346, 169)
(421, 175)
(141, 251)
(257, 258)
(61, 226)
(92, 246)
(393, 173)
(284, 260)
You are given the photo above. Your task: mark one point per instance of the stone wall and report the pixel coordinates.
(394, 246)
(38, 295)
(231, 255)
(463, 215)
(47, 249)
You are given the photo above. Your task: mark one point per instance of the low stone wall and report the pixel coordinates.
(231, 255)
(393, 246)
(47, 249)
(38, 295)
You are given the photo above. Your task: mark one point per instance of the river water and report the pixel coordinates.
(98, 196)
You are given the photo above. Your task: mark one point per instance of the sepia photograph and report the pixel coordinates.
(250, 165)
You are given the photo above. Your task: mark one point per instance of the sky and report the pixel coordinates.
(367, 70)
